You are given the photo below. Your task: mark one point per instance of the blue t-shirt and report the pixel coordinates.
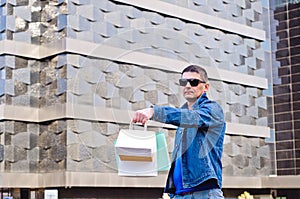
(177, 177)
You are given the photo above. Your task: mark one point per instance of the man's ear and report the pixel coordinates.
(206, 87)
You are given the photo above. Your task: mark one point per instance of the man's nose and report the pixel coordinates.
(188, 84)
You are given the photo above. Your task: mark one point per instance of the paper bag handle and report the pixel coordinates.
(131, 126)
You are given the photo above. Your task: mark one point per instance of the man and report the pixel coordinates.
(196, 170)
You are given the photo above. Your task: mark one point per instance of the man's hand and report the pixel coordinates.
(143, 115)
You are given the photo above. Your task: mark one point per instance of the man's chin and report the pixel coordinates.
(190, 99)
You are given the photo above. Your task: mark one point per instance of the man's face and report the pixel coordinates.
(190, 93)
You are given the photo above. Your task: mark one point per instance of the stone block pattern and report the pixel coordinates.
(31, 21)
(31, 83)
(20, 79)
(241, 104)
(246, 12)
(90, 145)
(99, 82)
(128, 27)
(73, 145)
(32, 147)
(20, 151)
(135, 29)
(78, 145)
(63, 145)
(246, 156)
(81, 145)
(77, 79)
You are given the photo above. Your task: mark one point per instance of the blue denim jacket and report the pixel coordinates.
(199, 141)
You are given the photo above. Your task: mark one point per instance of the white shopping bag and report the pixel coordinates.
(136, 150)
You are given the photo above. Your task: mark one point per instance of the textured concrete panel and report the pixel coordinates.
(79, 86)
(92, 139)
(72, 138)
(240, 161)
(105, 29)
(231, 149)
(78, 23)
(106, 90)
(246, 119)
(118, 19)
(58, 153)
(79, 152)
(130, 12)
(105, 153)
(106, 128)
(48, 165)
(90, 12)
(80, 126)
(25, 140)
(34, 154)
(14, 153)
(105, 6)
(83, 145)
(238, 109)
(131, 94)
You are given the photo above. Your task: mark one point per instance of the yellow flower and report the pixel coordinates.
(245, 195)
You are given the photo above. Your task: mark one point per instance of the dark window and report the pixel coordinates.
(280, 99)
(297, 125)
(283, 89)
(283, 44)
(282, 71)
(296, 79)
(282, 16)
(283, 34)
(284, 61)
(296, 86)
(282, 126)
(286, 164)
(295, 50)
(297, 114)
(282, 107)
(295, 59)
(295, 41)
(286, 80)
(294, 13)
(296, 68)
(283, 117)
(294, 23)
(294, 32)
(296, 96)
(284, 145)
(286, 172)
(282, 53)
(284, 136)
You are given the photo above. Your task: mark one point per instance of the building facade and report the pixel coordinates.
(74, 71)
(286, 87)
(286, 53)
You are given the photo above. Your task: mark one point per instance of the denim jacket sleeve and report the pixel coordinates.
(203, 115)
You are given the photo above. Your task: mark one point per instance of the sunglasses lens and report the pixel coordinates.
(194, 82)
(183, 82)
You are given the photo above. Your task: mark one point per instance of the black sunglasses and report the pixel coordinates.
(193, 82)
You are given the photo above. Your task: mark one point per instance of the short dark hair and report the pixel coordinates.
(197, 69)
